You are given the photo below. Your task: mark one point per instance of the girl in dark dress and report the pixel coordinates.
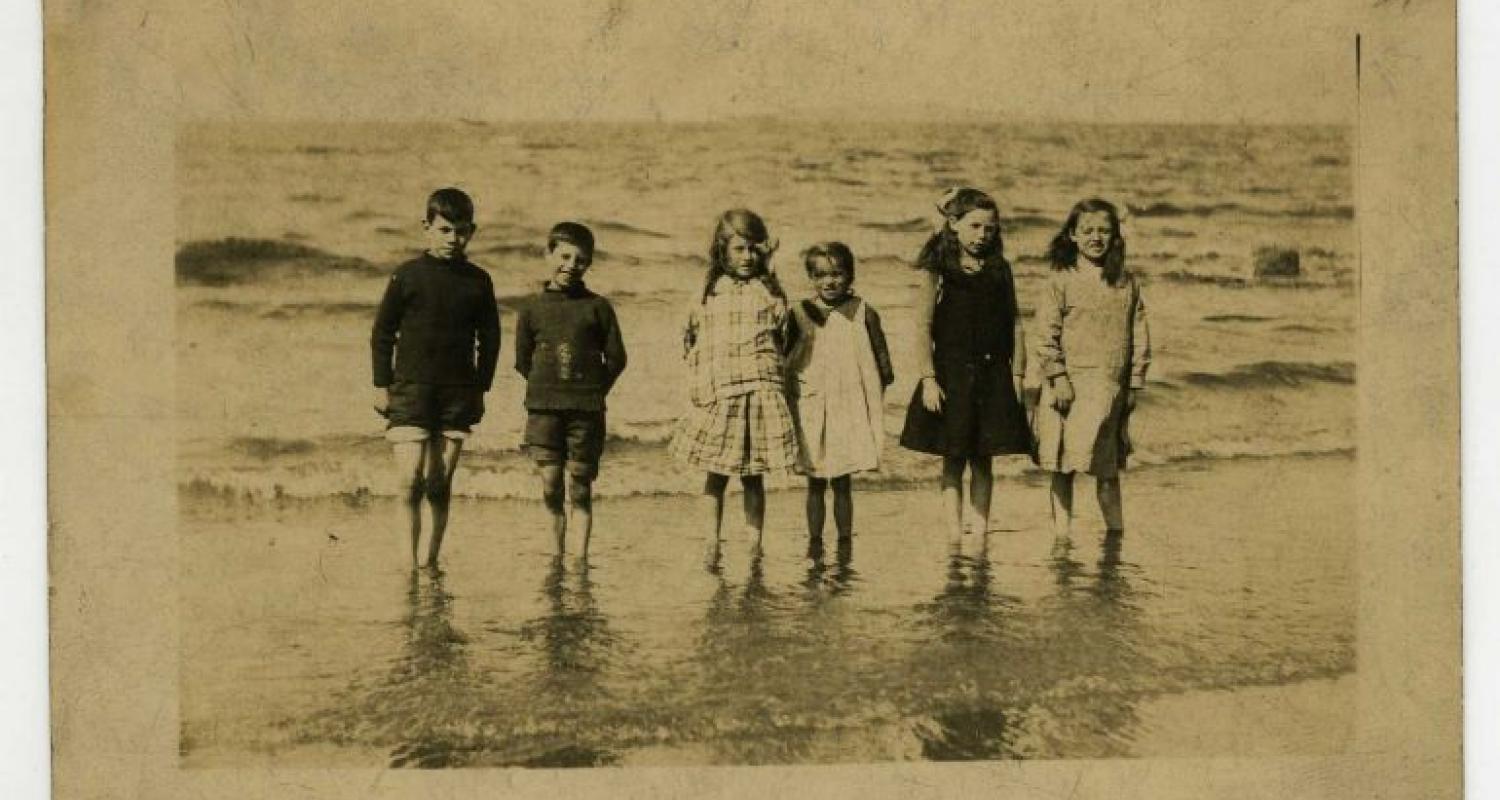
(972, 354)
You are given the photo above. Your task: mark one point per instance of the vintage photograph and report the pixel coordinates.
(969, 441)
(748, 387)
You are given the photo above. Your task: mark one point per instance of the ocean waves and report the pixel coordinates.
(1184, 419)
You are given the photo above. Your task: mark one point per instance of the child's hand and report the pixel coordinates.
(382, 398)
(1062, 394)
(932, 395)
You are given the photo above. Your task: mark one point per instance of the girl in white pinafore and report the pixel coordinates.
(839, 368)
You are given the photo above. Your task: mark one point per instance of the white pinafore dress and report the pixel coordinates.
(837, 396)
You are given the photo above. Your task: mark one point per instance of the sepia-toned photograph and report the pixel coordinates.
(866, 394)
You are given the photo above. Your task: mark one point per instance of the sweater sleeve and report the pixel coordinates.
(793, 335)
(383, 334)
(1140, 357)
(1049, 349)
(487, 335)
(878, 345)
(926, 302)
(614, 344)
(525, 340)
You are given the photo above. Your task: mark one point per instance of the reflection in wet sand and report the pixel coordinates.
(967, 623)
(1052, 678)
(415, 708)
(798, 651)
(576, 648)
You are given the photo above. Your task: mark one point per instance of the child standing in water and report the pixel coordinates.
(434, 346)
(739, 423)
(839, 368)
(972, 353)
(569, 348)
(1094, 350)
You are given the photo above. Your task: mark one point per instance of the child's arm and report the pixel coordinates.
(525, 341)
(383, 334)
(781, 321)
(1140, 356)
(1018, 338)
(793, 335)
(614, 345)
(1049, 350)
(487, 334)
(878, 345)
(926, 301)
(690, 333)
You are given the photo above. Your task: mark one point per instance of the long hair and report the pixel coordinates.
(747, 224)
(1063, 252)
(941, 252)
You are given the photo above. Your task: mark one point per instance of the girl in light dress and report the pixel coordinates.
(839, 367)
(739, 423)
(1094, 349)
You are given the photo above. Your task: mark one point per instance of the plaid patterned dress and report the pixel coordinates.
(739, 422)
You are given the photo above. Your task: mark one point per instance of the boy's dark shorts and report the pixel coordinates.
(436, 408)
(574, 438)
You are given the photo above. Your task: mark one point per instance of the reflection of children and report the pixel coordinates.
(839, 367)
(569, 348)
(972, 352)
(439, 319)
(739, 422)
(1094, 351)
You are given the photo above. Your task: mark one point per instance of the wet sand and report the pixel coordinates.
(1222, 624)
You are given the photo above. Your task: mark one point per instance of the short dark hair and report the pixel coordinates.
(451, 204)
(573, 233)
(837, 253)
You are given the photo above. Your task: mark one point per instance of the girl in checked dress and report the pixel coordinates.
(739, 423)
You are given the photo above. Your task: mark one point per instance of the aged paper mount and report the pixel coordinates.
(122, 79)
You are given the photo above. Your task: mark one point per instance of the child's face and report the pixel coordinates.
(568, 262)
(741, 256)
(1092, 233)
(831, 282)
(976, 230)
(447, 239)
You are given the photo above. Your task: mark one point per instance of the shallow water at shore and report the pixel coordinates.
(307, 641)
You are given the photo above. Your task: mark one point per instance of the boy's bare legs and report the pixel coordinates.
(581, 509)
(981, 489)
(553, 498)
(442, 460)
(843, 506)
(1062, 505)
(755, 503)
(953, 496)
(410, 458)
(1111, 504)
(816, 509)
(713, 501)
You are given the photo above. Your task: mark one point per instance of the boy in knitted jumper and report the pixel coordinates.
(434, 346)
(569, 348)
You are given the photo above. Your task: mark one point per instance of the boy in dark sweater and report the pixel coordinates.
(439, 318)
(568, 346)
